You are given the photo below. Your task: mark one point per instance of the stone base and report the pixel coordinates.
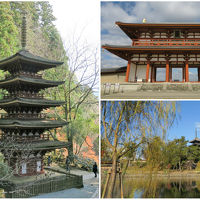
(24, 187)
(169, 87)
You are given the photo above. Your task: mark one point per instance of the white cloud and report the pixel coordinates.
(110, 13)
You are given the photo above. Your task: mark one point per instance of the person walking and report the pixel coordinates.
(67, 162)
(49, 160)
(95, 169)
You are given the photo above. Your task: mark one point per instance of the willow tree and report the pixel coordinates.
(125, 121)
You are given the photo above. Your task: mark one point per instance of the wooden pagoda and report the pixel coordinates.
(196, 140)
(25, 136)
(155, 46)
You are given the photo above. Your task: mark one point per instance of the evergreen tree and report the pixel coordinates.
(9, 42)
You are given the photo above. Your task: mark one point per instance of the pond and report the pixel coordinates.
(158, 187)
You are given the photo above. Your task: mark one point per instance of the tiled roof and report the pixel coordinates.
(149, 47)
(195, 140)
(113, 70)
(30, 81)
(27, 55)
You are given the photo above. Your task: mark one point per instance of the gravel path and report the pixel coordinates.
(90, 189)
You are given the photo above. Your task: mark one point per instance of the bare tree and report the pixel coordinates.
(81, 75)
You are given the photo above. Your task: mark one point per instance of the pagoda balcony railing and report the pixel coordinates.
(24, 116)
(27, 74)
(166, 42)
(24, 95)
(24, 139)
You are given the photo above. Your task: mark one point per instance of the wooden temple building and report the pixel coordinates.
(25, 136)
(159, 46)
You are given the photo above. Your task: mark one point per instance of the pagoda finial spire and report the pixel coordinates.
(196, 132)
(23, 33)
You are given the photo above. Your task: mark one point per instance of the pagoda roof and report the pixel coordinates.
(39, 123)
(24, 55)
(196, 140)
(29, 102)
(37, 146)
(22, 80)
(130, 28)
(126, 52)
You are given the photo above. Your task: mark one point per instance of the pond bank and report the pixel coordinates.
(165, 174)
(160, 174)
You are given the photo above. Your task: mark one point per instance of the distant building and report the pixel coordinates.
(158, 47)
(196, 140)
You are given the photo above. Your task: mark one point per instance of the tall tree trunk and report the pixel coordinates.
(71, 147)
(112, 177)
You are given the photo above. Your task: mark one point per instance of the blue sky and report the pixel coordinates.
(190, 118)
(134, 12)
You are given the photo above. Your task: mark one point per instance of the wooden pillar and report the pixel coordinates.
(154, 74)
(183, 74)
(147, 71)
(170, 74)
(186, 71)
(198, 74)
(128, 70)
(151, 74)
(167, 70)
(135, 79)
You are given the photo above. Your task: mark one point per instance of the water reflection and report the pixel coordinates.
(2, 195)
(157, 187)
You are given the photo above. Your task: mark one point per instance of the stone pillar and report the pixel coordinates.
(147, 71)
(128, 70)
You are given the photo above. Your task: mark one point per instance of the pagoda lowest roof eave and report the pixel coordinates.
(40, 145)
(126, 52)
(27, 56)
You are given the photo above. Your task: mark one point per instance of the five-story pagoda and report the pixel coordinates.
(25, 136)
